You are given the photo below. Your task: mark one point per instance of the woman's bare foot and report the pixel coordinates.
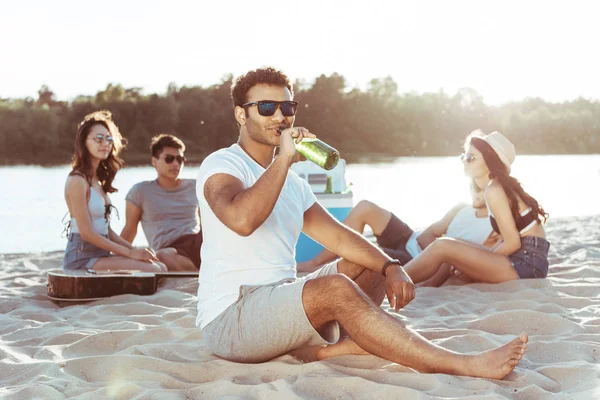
(497, 363)
(346, 346)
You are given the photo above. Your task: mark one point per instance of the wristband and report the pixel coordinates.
(387, 264)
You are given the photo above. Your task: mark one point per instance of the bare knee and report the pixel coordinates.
(334, 298)
(441, 250)
(167, 253)
(341, 285)
(364, 207)
(442, 245)
(328, 293)
(154, 266)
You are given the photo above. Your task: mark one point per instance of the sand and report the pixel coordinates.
(147, 347)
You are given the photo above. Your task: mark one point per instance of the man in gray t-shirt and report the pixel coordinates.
(167, 207)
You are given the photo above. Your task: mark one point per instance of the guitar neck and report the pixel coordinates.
(176, 274)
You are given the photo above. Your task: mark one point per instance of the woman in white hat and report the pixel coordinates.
(514, 214)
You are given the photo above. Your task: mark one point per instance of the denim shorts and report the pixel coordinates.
(393, 239)
(531, 260)
(81, 255)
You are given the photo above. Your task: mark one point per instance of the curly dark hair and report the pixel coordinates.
(81, 163)
(512, 187)
(268, 75)
(159, 142)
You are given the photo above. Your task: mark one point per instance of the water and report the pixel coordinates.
(417, 189)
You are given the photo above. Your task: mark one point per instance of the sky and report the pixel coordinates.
(506, 50)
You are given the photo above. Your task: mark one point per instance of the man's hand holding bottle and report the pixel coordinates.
(287, 143)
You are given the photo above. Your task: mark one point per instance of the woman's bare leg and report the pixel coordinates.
(477, 263)
(127, 264)
(441, 276)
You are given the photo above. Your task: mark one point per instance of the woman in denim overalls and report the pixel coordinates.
(92, 244)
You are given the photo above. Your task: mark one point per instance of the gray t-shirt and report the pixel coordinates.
(166, 214)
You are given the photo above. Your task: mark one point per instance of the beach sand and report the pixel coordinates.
(148, 346)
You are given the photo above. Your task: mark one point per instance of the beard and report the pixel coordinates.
(265, 134)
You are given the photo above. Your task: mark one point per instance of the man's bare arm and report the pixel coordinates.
(133, 214)
(347, 243)
(243, 210)
(352, 246)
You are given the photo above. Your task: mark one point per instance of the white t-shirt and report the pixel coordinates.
(267, 255)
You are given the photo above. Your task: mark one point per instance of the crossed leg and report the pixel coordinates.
(475, 262)
(374, 331)
(127, 264)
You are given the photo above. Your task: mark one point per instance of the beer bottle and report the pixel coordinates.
(318, 152)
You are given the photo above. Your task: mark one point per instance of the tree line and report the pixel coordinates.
(369, 124)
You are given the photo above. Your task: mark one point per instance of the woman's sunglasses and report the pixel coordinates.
(467, 157)
(267, 108)
(99, 138)
(169, 158)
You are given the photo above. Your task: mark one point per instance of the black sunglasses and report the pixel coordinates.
(467, 157)
(267, 108)
(169, 158)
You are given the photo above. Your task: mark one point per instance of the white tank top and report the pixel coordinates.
(465, 226)
(96, 208)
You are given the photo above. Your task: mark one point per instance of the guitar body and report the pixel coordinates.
(85, 286)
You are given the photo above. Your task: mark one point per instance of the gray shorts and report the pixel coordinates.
(268, 321)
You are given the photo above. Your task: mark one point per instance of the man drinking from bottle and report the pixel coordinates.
(251, 305)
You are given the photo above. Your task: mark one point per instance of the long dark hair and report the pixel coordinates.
(81, 163)
(512, 187)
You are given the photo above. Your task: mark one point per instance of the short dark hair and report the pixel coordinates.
(159, 142)
(268, 76)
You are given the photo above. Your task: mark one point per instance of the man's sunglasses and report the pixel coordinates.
(99, 138)
(169, 158)
(267, 108)
(467, 157)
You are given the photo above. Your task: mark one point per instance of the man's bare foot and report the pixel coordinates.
(493, 364)
(344, 347)
(498, 363)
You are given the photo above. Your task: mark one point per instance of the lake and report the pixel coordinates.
(417, 189)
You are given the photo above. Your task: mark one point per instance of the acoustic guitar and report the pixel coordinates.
(94, 285)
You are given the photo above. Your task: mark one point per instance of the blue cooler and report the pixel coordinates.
(338, 204)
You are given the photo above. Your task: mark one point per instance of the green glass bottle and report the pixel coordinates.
(329, 186)
(318, 152)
